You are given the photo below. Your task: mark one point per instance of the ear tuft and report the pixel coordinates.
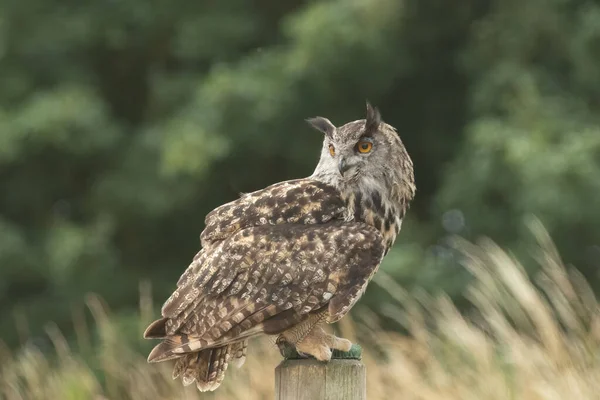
(373, 119)
(322, 124)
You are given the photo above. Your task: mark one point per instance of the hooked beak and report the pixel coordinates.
(343, 166)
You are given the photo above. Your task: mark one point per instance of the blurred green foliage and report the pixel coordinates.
(123, 123)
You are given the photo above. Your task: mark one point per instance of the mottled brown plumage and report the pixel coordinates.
(286, 259)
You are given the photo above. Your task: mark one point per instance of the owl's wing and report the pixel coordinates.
(267, 279)
(299, 201)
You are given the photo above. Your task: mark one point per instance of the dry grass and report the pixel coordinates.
(522, 343)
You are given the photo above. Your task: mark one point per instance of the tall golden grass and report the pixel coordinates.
(523, 341)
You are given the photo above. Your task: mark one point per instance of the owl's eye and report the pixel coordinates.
(331, 150)
(364, 146)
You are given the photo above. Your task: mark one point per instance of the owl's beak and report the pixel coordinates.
(343, 166)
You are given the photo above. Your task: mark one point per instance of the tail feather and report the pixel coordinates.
(182, 364)
(207, 367)
(238, 353)
(212, 372)
(194, 367)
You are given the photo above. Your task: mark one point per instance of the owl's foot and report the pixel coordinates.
(321, 344)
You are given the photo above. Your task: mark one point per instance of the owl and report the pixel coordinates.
(290, 258)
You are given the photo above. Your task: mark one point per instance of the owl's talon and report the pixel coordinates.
(320, 344)
(342, 344)
(285, 348)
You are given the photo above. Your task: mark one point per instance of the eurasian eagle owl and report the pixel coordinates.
(289, 258)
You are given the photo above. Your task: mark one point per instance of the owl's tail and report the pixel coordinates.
(207, 367)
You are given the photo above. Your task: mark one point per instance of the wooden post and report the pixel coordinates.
(342, 378)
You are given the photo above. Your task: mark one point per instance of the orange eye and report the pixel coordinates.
(364, 146)
(331, 150)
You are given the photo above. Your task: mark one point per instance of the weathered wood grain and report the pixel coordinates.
(309, 379)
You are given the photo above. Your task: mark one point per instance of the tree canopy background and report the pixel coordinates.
(122, 123)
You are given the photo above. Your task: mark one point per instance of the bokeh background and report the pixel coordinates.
(122, 123)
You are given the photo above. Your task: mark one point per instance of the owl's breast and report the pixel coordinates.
(374, 209)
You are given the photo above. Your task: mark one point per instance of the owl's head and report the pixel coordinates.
(367, 153)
